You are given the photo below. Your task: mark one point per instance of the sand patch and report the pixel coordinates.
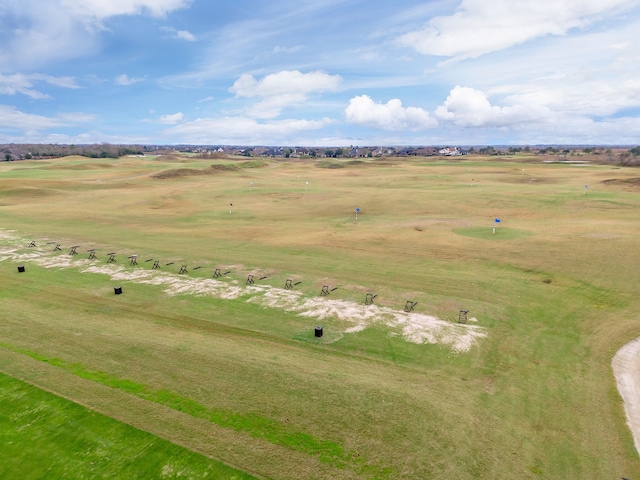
(8, 235)
(351, 317)
(626, 369)
(419, 328)
(288, 300)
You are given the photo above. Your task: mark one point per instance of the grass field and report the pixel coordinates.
(45, 436)
(234, 372)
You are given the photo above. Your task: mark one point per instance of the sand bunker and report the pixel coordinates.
(626, 369)
(351, 317)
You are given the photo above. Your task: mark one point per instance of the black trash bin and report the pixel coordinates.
(20, 268)
(117, 290)
(318, 332)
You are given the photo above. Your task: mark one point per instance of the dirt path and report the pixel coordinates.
(626, 368)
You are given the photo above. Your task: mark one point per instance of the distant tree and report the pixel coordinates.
(339, 152)
(610, 156)
(625, 158)
(635, 151)
(487, 151)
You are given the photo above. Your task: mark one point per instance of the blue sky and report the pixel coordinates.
(330, 73)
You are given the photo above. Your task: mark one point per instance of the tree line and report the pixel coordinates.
(38, 150)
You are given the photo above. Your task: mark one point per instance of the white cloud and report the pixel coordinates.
(76, 117)
(62, 82)
(22, 84)
(53, 30)
(362, 110)
(285, 83)
(280, 49)
(271, 107)
(92, 136)
(180, 34)
(171, 119)
(185, 35)
(479, 27)
(101, 9)
(248, 131)
(124, 80)
(41, 32)
(468, 107)
(578, 97)
(279, 90)
(581, 130)
(12, 118)
(592, 73)
(18, 83)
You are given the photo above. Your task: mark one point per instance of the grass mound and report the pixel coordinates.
(223, 167)
(79, 166)
(189, 172)
(253, 164)
(179, 172)
(634, 182)
(329, 164)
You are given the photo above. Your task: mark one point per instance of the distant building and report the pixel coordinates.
(450, 151)
(14, 153)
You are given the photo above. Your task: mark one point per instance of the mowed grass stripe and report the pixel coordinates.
(46, 436)
(255, 425)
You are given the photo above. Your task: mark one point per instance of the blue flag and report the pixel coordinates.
(497, 220)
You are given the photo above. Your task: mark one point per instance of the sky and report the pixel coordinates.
(320, 73)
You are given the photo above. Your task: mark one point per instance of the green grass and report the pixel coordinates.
(555, 290)
(487, 233)
(256, 425)
(45, 436)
